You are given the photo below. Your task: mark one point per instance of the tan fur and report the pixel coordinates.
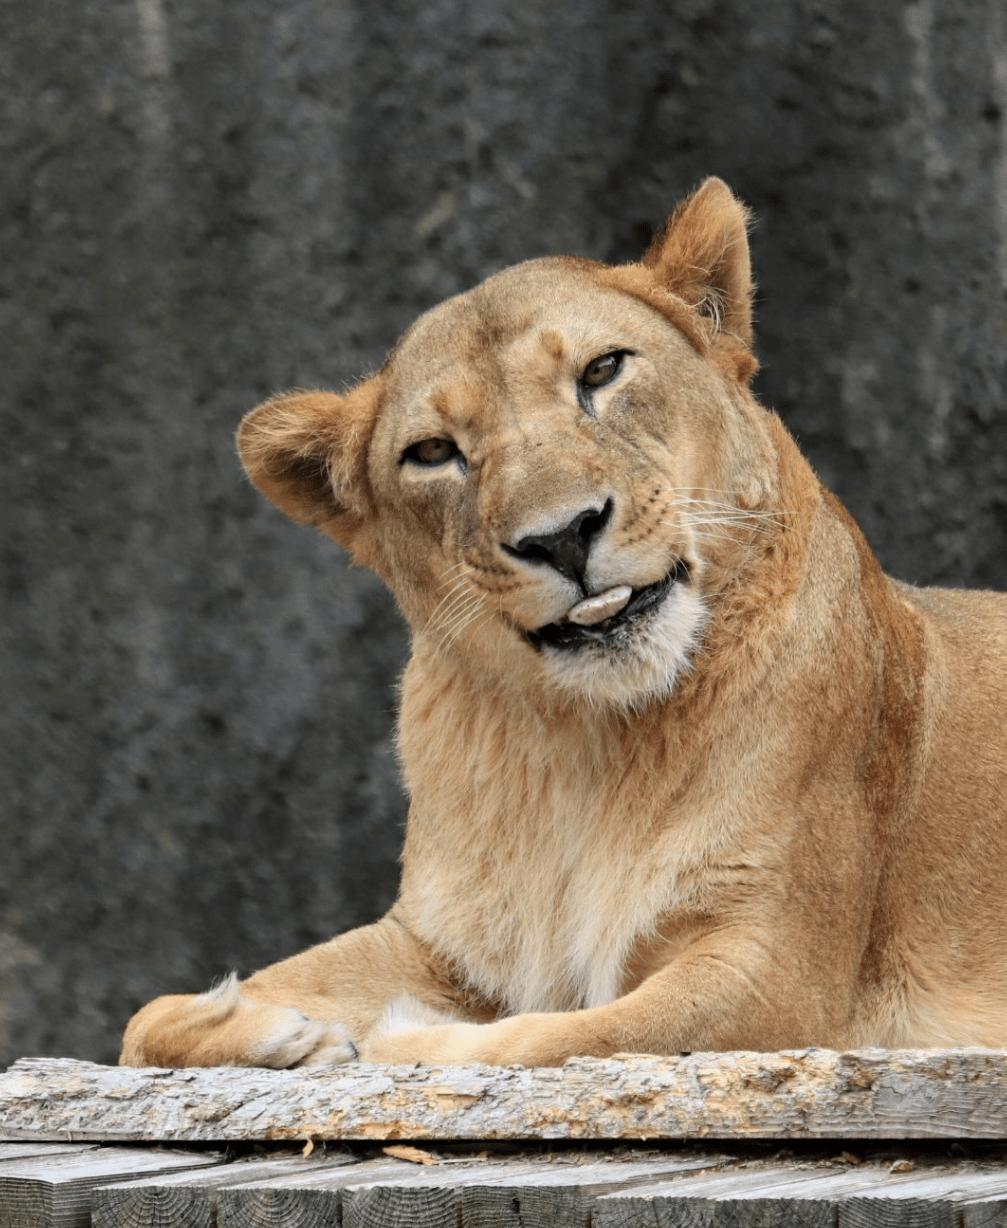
(771, 814)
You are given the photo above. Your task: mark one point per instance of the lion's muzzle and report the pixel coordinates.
(572, 635)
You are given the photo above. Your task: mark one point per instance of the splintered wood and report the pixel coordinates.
(870, 1093)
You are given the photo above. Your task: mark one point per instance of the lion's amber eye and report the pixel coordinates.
(432, 451)
(601, 370)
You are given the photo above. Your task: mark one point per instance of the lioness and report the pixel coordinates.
(687, 770)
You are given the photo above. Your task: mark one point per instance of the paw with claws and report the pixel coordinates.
(226, 1028)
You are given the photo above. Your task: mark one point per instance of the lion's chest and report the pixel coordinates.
(536, 933)
(543, 848)
(541, 899)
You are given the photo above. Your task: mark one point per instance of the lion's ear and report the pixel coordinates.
(701, 254)
(306, 452)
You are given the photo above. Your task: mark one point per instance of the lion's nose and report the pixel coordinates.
(567, 549)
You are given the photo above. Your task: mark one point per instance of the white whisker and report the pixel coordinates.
(724, 522)
(457, 591)
(681, 498)
(472, 615)
(724, 525)
(464, 601)
(451, 627)
(711, 505)
(451, 616)
(459, 587)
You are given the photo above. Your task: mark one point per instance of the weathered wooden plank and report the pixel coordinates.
(190, 1199)
(561, 1195)
(982, 1213)
(54, 1191)
(554, 1191)
(566, 1192)
(421, 1199)
(930, 1201)
(431, 1198)
(28, 1151)
(693, 1202)
(789, 1196)
(870, 1093)
(816, 1201)
(300, 1200)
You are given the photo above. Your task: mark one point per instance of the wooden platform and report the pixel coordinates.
(57, 1186)
(805, 1138)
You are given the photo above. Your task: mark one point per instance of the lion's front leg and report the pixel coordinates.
(521, 1040)
(313, 1009)
(715, 998)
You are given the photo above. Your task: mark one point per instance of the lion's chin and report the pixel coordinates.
(634, 658)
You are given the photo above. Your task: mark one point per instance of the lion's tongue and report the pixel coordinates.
(599, 607)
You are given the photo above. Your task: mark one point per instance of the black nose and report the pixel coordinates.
(568, 548)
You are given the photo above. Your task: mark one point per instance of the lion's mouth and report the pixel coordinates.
(572, 636)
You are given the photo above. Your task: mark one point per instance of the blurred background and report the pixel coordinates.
(206, 201)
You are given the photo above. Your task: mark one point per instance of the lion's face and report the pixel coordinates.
(549, 473)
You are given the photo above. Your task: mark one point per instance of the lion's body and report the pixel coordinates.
(687, 771)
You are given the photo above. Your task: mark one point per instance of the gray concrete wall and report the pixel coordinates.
(204, 202)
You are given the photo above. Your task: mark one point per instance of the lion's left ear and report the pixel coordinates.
(306, 452)
(701, 254)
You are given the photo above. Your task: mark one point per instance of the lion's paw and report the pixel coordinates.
(279, 1037)
(333, 1046)
(295, 1040)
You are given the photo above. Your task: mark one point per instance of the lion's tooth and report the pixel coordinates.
(599, 607)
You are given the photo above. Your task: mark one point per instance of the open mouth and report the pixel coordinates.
(572, 636)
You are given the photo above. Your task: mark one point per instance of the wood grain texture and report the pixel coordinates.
(491, 1193)
(870, 1093)
(54, 1190)
(931, 1200)
(792, 1196)
(28, 1151)
(551, 1192)
(574, 1190)
(558, 1195)
(192, 1198)
(309, 1198)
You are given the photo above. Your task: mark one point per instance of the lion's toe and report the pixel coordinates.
(295, 1040)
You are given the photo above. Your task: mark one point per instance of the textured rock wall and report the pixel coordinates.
(204, 202)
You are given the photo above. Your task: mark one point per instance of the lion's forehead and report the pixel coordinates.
(529, 320)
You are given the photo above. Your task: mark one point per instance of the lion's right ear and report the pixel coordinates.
(701, 253)
(306, 452)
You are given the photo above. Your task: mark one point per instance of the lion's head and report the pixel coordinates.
(557, 473)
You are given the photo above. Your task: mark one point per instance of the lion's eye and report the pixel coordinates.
(601, 370)
(432, 451)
